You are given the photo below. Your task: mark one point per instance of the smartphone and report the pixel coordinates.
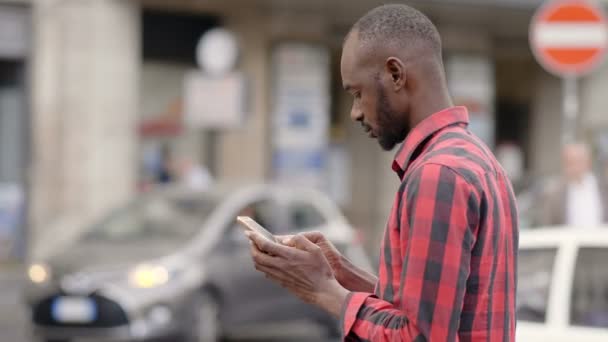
(251, 224)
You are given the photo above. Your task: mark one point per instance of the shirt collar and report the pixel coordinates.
(429, 126)
(587, 181)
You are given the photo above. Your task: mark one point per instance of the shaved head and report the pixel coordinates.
(392, 65)
(397, 25)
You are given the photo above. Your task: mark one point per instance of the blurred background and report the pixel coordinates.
(126, 123)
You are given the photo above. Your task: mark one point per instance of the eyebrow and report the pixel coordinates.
(347, 87)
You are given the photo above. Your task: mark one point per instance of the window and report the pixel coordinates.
(589, 304)
(153, 218)
(534, 275)
(305, 216)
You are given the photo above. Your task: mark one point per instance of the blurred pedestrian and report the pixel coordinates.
(192, 175)
(447, 268)
(603, 181)
(511, 157)
(164, 173)
(575, 200)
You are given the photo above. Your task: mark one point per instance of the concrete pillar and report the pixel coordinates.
(594, 102)
(546, 129)
(84, 104)
(244, 153)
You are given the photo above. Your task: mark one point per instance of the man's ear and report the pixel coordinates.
(396, 70)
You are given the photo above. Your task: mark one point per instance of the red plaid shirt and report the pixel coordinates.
(448, 258)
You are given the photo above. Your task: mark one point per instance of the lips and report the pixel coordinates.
(368, 129)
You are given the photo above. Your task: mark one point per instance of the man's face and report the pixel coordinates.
(392, 128)
(374, 103)
(576, 162)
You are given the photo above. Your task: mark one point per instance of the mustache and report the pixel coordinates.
(366, 127)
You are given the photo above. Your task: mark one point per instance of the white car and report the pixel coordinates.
(562, 292)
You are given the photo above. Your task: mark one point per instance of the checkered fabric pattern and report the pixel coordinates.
(449, 254)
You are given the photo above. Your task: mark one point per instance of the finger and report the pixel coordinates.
(283, 237)
(282, 279)
(285, 240)
(259, 243)
(314, 236)
(271, 247)
(263, 259)
(288, 241)
(276, 275)
(252, 242)
(303, 243)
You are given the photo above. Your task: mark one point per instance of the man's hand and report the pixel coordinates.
(331, 253)
(348, 275)
(302, 269)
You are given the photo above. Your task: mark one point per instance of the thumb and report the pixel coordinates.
(301, 242)
(314, 236)
(286, 240)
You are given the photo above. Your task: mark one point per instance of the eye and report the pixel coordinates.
(357, 95)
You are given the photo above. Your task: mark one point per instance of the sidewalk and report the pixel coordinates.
(12, 312)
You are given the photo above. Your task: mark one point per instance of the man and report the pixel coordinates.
(193, 175)
(603, 184)
(448, 258)
(575, 200)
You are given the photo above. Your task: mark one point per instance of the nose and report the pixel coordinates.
(355, 113)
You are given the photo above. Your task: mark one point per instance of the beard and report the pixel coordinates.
(392, 128)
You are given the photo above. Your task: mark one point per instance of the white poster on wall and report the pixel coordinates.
(301, 105)
(216, 102)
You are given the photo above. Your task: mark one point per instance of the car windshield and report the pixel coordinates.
(176, 218)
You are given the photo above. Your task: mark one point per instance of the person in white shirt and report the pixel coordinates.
(193, 175)
(576, 200)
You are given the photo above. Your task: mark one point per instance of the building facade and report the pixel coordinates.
(98, 70)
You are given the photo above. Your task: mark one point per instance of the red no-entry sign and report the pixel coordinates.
(569, 37)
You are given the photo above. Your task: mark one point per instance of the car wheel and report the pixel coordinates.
(205, 319)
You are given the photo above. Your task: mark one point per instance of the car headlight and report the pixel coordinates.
(39, 273)
(147, 276)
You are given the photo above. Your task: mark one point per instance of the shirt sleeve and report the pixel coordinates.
(438, 218)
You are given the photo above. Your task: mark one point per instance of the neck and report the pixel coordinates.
(579, 179)
(429, 101)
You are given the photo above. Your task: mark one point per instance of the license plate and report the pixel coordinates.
(74, 310)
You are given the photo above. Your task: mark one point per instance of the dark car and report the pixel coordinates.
(175, 264)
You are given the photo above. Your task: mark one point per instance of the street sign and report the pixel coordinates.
(569, 37)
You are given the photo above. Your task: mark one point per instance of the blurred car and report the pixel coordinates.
(563, 285)
(175, 263)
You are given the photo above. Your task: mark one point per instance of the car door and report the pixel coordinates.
(535, 281)
(307, 213)
(302, 215)
(588, 309)
(247, 296)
